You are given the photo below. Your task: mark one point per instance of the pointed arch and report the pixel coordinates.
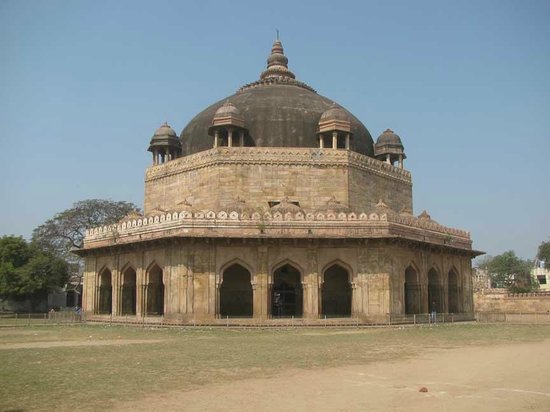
(105, 291)
(412, 290)
(234, 261)
(287, 294)
(235, 290)
(288, 262)
(337, 262)
(412, 264)
(129, 289)
(150, 267)
(435, 291)
(336, 289)
(454, 291)
(154, 290)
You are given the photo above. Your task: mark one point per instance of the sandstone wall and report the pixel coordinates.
(193, 272)
(212, 180)
(501, 302)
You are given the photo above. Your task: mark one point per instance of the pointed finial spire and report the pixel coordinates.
(277, 63)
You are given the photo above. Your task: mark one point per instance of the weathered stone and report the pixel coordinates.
(276, 207)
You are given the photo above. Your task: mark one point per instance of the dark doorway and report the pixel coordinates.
(155, 292)
(412, 292)
(105, 304)
(236, 293)
(129, 292)
(454, 292)
(286, 292)
(336, 292)
(435, 302)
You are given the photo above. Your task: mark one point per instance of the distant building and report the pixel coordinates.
(481, 279)
(276, 202)
(541, 274)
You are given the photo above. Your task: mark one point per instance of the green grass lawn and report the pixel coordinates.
(93, 377)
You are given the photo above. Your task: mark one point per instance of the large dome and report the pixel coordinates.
(278, 111)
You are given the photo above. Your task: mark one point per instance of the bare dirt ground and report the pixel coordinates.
(493, 378)
(58, 344)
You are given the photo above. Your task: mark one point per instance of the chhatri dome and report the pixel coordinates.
(278, 111)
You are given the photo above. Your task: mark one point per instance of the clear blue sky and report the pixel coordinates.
(466, 84)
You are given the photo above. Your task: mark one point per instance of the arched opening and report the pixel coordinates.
(236, 292)
(453, 292)
(105, 302)
(435, 302)
(286, 292)
(336, 292)
(128, 305)
(155, 292)
(412, 292)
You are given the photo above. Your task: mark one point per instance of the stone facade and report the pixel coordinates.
(262, 175)
(500, 301)
(316, 230)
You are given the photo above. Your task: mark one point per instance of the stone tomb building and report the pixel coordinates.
(275, 203)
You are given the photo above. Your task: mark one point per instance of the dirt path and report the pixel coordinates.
(499, 378)
(57, 344)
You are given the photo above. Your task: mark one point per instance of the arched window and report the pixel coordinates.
(453, 292)
(128, 305)
(411, 291)
(286, 292)
(155, 291)
(336, 292)
(435, 302)
(105, 301)
(236, 292)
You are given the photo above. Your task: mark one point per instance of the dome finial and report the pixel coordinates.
(277, 63)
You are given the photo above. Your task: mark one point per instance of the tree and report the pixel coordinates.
(26, 271)
(544, 254)
(509, 271)
(66, 230)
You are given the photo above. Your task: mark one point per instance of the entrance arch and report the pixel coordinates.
(286, 292)
(336, 292)
(155, 291)
(128, 306)
(105, 301)
(453, 292)
(411, 292)
(236, 292)
(435, 301)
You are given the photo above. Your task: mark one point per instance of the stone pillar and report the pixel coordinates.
(241, 138)
(260, 285)
(190, 283)
(213, 296)
(401, 161)
(166, 155)
(355, 298)
(90, 278)
(115, 292)
(388, 158)
(230, 137)
(216, 138)
(154, 158)
(347, 141)
(311, 285)
(321, 142)
(140, 289)
(423, 275)
(334, 140)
